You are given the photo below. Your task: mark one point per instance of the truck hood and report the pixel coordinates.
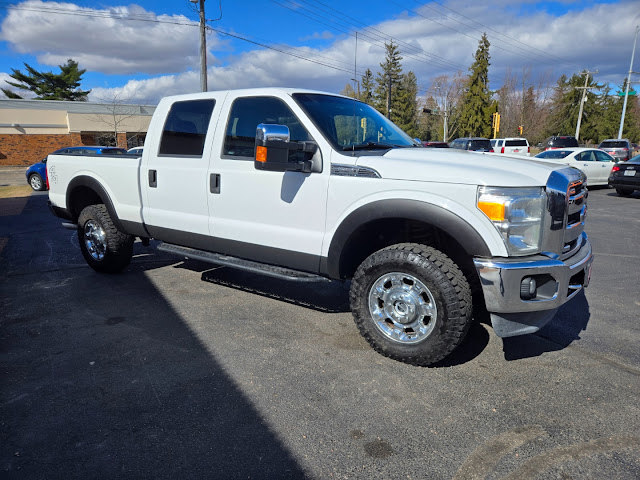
(461, 167)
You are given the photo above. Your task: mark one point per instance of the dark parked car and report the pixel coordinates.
(436, 144)
(620, 149)
(475, 144)
(560, 141)
(625, 176)
(37, 173)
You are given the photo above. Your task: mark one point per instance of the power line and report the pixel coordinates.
(486, 27)
(368, 34)
(153, 19)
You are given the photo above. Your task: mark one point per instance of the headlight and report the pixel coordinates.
(517, 214)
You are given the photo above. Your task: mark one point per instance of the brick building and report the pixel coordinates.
(31, 129)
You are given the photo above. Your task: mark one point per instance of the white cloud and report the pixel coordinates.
(437, 42)
(100, 42)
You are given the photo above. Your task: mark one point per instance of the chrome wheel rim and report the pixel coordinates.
(402, 307)
(36, 183)
(95, 240)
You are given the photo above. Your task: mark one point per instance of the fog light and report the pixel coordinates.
(528, 288)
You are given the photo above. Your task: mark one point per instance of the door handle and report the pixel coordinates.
(153, 178)
(214, 183)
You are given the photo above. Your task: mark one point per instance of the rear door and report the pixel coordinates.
(518, 146)
(586, 161)
(606, 164)
(174, 178)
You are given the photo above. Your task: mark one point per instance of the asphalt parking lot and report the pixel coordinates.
(177, 369)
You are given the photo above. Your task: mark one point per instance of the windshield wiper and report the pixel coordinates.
(369, 146)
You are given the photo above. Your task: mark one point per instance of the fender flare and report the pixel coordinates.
(96, 186)
(431, 214)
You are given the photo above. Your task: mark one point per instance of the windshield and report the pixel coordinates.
(352, 125)
(553, 154)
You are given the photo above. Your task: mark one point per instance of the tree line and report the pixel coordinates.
(464, 102)
(467, 105)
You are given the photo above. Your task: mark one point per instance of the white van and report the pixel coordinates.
(511, 146)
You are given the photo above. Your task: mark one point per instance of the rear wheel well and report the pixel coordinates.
(81, 197)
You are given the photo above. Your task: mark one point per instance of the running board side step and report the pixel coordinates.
(241, 264)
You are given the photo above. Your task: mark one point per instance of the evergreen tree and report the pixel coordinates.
(366, 87)
(48, 85)
(390, 76)
(475, 115)
(405, 113)
(611, 112)
(566, 106)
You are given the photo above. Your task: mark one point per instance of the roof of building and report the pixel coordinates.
(78, 107)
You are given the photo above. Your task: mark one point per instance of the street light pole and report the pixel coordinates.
(626, 93)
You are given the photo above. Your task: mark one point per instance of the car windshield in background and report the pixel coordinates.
(480, 145)
(516, 143)
(614, 145)
(553, 154)
(352, 125)
(114, 151)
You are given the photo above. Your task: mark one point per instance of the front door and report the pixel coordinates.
(272, 217)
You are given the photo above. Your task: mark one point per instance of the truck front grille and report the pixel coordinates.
(566, 210)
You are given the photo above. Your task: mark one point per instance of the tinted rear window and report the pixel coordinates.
(564, 142)
(186, 128)
(516, 143)
(613, 144)
(480, 145)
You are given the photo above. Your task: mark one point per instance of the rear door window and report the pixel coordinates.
(186, 128)
(516, 143)
(602, 157)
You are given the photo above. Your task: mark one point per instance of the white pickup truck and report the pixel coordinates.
(301, 184)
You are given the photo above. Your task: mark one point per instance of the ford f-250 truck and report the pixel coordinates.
(300, 184)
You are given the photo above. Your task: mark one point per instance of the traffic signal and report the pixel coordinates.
(520, 129)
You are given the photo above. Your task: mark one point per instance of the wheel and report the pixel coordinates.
(624, 192)
(104, 247)
(36, 182)
(411, 303)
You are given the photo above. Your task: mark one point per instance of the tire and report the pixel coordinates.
(624, 192)
(36, 182)
(104, 247)
(411, 303)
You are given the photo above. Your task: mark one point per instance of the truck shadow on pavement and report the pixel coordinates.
(571, 319)
(326, 296)
(103, 378)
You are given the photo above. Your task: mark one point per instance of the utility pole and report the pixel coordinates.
(583, 99)
(203, 47)
(626, 93)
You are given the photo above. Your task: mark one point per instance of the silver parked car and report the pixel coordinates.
(620, 149)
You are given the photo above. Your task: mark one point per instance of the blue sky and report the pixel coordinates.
(140, 61)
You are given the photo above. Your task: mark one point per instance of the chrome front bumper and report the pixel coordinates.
(558, 281)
